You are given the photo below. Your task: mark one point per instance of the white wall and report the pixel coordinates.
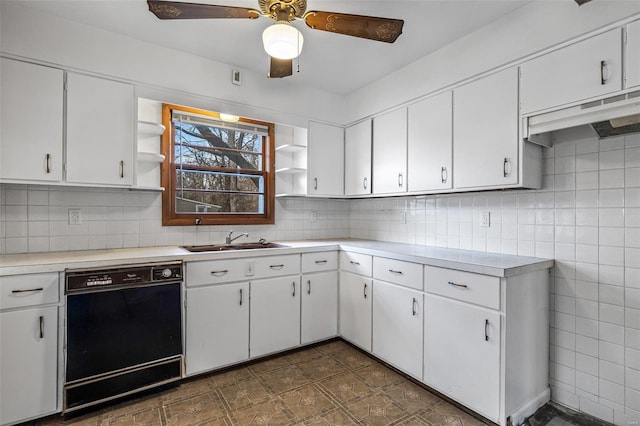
(160, 73)
(587, 217)
(529, 29)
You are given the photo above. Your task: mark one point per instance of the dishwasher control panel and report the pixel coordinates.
(92, 280)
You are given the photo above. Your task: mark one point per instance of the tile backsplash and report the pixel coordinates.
(586, 216)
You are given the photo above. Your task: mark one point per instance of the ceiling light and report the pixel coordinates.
(229, 117)
(282, 40)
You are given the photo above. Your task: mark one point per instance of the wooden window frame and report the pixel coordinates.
(168, 178)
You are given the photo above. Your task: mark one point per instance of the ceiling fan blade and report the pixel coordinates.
(179, 10)
(581, 2)
(280, 68)
(370, 27)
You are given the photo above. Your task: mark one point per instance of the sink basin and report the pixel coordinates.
(227, 247)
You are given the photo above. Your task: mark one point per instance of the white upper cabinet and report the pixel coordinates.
(100, 131)
(357, 165)
(583, 70)
(325, 160)
(485, 128)
(430, 139)
(632, 50)
(31, 123)
(390, 152)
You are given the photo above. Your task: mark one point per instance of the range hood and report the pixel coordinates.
(614, 116)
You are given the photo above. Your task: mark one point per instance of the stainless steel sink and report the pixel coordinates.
(228, 247)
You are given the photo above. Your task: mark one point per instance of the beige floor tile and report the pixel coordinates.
(376, 410)
(244, 393)
(320, 368)
(307, 402)
(346, 387)
(283, 379)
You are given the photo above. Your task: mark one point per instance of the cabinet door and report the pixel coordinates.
(325, 160)
(99, 131)
(390, 152)
(217, 330)
(430, 139)
(583, 70)
(632, 51)
(355, 309)
(485, 129)
(357, 164)
(31, 99)
(319, 306)
(398, 327)
(462, 353)
(275, 315)
(28, 363)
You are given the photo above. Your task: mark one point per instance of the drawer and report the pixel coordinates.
(479, 289)
(322, 261)
(408, 274)
(215, 271)
(28, 290)
(276, 266)
(356, 263)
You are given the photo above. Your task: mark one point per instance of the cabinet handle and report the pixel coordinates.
(47, 163)
(506, 167)
(486, 332)
(240, 297)
(315, 183)
(443, 174)
(457, 285)
(294, 289)
(219, 273)
(121, 169)
(276, 266)
(603, 65)
(364, 183)
(364, 290)
(320, 262)
(353, 262)
(413, 306)
(41, 327)
(400, 180)
(309, 287)
(393, 271)
(27, 290)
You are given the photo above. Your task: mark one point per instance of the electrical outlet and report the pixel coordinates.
(75, 216)
(485, 219)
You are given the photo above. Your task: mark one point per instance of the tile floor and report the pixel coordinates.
(329, 384)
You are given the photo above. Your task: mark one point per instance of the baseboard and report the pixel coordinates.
(520, 415)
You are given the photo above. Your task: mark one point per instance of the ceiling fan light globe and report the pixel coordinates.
(282, 41)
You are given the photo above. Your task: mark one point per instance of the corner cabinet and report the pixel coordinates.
(485, 128)
(100, 131)
(390, 152)
(357, 164)
(325, 160)
(32, 101)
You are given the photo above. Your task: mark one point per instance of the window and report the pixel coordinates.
(216, 172)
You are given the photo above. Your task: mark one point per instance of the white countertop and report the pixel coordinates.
(499, 265)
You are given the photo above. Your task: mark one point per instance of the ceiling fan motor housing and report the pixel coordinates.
(283, 10)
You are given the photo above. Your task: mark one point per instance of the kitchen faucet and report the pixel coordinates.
(229, 240)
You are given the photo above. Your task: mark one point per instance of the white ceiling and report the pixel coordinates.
(331, 62)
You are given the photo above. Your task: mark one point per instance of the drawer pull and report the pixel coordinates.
(219, 273)
(486, 332)
(320, 262)
(413, 306)
(393, 271)
(41, 327)
(308, 286)
(353, 262)
(27, 290)
(364, 290)
(293, 284)
(276, 266)
(458, 285)
(240, 297)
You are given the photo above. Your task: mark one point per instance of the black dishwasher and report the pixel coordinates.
(123, 332)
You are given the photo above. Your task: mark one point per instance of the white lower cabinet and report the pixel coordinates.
(355, 309)
(28, 363)
(397, 326)
(217, 326)
(319, 306)
(275, 315)
(462, 353)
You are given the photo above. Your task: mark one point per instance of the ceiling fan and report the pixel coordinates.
(282, 41)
